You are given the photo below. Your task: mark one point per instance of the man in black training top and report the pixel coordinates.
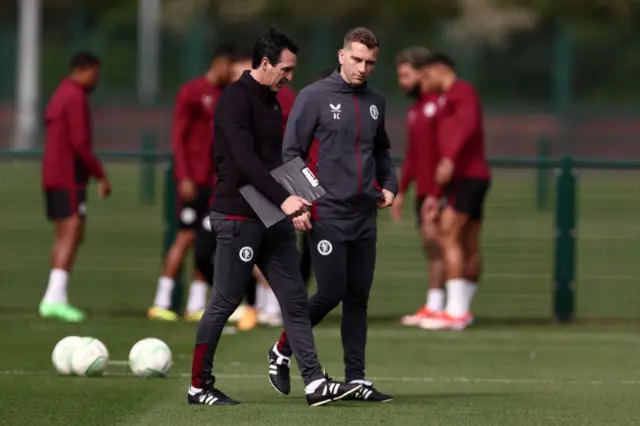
(338, 125)
(248, 135)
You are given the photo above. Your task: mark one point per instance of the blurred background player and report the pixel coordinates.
(420, 161)
(192, 142)
(261, 305)
(464, 175)
(67, 165)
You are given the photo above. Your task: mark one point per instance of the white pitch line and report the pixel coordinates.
(406, 379)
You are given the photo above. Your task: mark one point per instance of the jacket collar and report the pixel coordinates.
(263, 91)
(342, 85)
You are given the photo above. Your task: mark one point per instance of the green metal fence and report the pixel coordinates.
(560, 241)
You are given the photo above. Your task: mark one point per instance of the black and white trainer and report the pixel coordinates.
(209, 396)
(330, 391)
(369, 394)
(279, 371)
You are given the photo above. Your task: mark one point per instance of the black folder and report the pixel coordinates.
(296, 178)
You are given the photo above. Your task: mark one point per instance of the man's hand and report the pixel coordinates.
(302, 222)
(396, 208)
(104, 188)
(187, 190)
(444, 172)
(388, 199)
(430, 209)
(294, 205)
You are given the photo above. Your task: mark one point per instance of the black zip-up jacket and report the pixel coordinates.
(340, 130)
(248, 145)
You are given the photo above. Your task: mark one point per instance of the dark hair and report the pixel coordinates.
(323, 74)
(270, 46)
(363, 36)
(415, 56)
(84, 60)
(225, 50)
(440, 58)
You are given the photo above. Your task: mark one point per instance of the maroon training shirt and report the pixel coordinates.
(192, 137)
(423, 153)
(461, 131)
(68, 159)
(286, 96)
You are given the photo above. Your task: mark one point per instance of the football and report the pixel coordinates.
(150, 357)
(89, 357)
(62, 352)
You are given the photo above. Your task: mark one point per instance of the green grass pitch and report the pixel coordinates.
(498, 372)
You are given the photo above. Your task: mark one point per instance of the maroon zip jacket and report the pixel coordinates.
(461, 131)
(68, 159)
(192, 135)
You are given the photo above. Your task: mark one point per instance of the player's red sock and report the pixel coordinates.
(281, 341)
(197, 365)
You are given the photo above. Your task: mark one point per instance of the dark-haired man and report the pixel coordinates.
(192, 142)
(248, 132)
(261, 305)
(419, 166)
(67, 165)
(464, 176)
(338, 124)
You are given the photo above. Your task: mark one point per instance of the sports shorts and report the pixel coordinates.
(467, 195)
(191, 214)
(64, 203)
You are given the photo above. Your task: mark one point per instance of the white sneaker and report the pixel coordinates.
(446, 322)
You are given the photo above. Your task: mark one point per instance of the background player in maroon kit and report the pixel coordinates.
(67, 165)
(192, 142)
(464, 175)
(420, 161)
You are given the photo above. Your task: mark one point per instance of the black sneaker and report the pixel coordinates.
(279, 367)
(210, 396)
(370, 394)
(330, 391)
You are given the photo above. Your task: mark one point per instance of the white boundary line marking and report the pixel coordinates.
(406, 379)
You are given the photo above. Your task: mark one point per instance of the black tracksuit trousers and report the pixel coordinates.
(343, 255)
(240, 245)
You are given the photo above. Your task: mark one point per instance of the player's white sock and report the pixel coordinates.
(261, 301)
(272, 307)
(194, 391)
(470, 291)
(457, 302)
(435, 299)
(311, 388)
(197, 300)
(57, 287)
(163, 293)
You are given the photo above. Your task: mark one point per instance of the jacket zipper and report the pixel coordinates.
(358, 159)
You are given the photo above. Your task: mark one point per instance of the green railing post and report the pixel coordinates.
(565, 243)
(147, 186)
(170, 229)
(542, 181)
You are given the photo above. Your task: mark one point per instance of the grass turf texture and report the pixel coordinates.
(492, 374)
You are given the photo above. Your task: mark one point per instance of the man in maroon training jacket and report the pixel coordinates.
(192, 141)
(464, 176)
(67, 165)
(420, 161)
